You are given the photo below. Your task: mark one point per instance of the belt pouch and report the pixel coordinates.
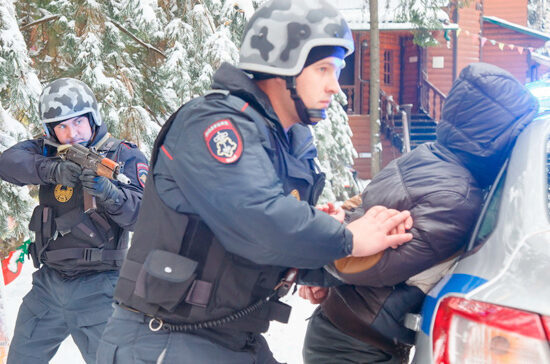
(80, 225)
(165, 278)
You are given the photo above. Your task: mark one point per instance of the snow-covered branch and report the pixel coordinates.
(40, 21)
(142, 43)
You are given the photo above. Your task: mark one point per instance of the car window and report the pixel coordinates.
(489, 214)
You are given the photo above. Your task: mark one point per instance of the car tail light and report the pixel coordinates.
(467, 331)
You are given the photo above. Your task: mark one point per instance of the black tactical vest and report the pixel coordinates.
(177, 270)
(73, 241)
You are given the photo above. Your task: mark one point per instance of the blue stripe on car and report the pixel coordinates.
(457, 283)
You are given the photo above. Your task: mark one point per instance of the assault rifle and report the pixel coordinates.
(89, 158)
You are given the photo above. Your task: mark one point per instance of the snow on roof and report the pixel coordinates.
(516, 27)
(357, 14)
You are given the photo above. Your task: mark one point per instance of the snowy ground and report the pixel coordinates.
(285, 340)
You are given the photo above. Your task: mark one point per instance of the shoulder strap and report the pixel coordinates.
(110, 146)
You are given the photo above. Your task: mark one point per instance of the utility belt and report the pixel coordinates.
(207, 288)
(280, 290)
(72, 239)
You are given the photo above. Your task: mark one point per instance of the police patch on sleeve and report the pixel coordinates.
(224, 141)
(142, 171)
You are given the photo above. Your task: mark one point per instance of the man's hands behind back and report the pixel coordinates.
(379, 229)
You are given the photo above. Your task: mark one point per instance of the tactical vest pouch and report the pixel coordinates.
(43, 225)
(165, 278)
(42, 222)
(80, 225)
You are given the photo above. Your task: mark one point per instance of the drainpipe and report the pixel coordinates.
(455, 42)
(480, 8)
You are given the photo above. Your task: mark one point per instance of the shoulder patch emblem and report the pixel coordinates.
(142, 171)
(224, 141)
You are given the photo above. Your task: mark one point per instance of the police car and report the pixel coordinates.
(494, 306)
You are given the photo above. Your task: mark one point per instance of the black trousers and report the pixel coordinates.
(325, 344)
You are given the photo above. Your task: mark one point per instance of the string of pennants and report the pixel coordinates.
(500, 45)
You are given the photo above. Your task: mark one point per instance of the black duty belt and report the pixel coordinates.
(280, 290)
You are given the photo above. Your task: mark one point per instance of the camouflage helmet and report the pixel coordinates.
(281, 33)
(67, 98)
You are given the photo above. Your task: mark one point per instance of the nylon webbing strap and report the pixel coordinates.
(200, 291)
(88, 254)
(130, 270)
(102, 222)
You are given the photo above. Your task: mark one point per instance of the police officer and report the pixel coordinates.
(79, 252)
(229, 205)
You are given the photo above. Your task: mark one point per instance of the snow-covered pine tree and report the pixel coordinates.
(95, 42)
(336, 152)
(201, 35)
(19, 90)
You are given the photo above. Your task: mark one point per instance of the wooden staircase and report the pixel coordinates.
(422, 129)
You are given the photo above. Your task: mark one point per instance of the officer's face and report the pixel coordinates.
(318, 82)
(74, 130)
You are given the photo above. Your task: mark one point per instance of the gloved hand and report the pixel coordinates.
(65, 173)
(102, 188)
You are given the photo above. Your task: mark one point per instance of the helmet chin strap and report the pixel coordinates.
(307, 116)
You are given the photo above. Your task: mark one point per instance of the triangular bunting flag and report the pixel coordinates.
(483, 41)
(520, 50)
(458, 32)
(511, 46)
(493, 42)
(501, 46)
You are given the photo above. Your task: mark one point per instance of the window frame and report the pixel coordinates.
(489, 205)
(388, 67)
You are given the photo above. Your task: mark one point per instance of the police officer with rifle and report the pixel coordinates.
(78, 249)
(229, 207)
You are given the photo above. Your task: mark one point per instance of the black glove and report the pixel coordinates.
(64, 173)
(102, 188)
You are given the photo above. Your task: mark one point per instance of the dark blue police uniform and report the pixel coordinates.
(80, 253)
(228, 208)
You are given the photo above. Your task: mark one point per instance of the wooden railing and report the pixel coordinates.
(390, 111)
(431, 99)
(351, 107)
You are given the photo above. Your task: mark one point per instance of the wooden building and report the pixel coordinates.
(492, 31)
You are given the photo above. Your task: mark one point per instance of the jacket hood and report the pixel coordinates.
(485, 111)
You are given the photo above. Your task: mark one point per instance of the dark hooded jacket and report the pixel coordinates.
(442, 185)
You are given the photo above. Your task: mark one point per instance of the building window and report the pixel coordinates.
(388, 77)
